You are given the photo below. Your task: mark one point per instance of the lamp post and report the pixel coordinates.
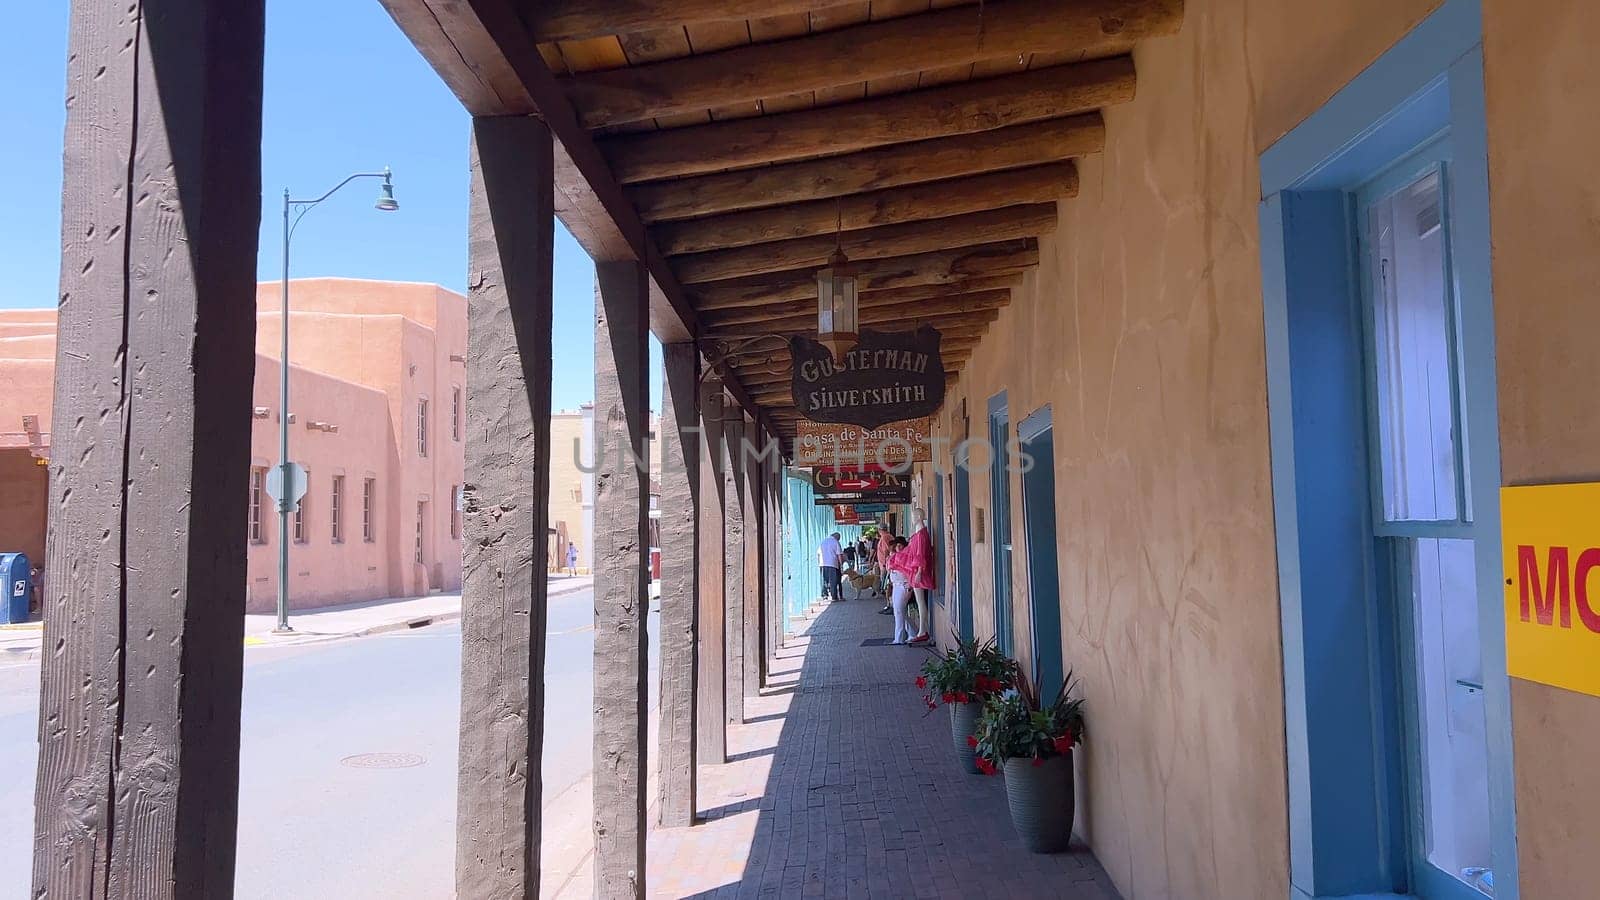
(297, 209)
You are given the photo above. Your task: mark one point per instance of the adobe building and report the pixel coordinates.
(376, 396)
(1268, 340)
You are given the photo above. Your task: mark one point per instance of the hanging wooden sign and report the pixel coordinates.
(843, 444)
(845, 514)
(860, 484)
(889, 376)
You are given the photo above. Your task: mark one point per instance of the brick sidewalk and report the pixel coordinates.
(841, 787)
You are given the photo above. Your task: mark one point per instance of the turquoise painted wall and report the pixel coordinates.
(804, 525)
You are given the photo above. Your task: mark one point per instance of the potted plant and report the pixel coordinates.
(1033, 744)
(962, 678)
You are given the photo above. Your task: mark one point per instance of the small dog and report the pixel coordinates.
(860, 582)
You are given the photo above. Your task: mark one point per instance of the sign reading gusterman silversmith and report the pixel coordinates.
(887, 377)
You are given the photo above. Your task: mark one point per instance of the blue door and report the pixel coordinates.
(963, 548)
(1038, 464)
(1000, 494)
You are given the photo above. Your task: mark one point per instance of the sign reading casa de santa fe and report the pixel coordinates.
(889, 376)
(843, 444)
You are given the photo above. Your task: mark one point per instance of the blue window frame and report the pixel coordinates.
(1355, 549)
(962, 506)
(1000, 518)
(1037, 461)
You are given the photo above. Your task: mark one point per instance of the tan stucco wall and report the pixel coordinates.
(1542, 78)
(364, 353)
(566, 484)
(1142, 328)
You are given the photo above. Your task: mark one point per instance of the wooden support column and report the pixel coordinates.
(621, 601)
(734, 563)
(711, 722)
(753, 524)
(138, 772)
(680, 579)
(504, 496)
(774, 560)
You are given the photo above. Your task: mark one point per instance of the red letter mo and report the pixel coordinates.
(1558, 586)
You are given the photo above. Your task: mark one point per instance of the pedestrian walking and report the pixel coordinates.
(572, 559)
(829, 554)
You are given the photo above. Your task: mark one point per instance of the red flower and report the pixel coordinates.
(1063, 744)
(972, 741)
(961, 696)
(922, 681)
(980, 682)
(948, 697)
(986, 767)
(1038, 761)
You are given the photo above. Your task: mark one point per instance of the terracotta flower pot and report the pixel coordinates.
(963, 724)
(1041, 799)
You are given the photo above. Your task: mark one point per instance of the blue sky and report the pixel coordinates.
(345, 92)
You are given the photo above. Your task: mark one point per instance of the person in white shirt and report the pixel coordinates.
(828, 554)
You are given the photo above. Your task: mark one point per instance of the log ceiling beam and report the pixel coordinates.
(576, 20)
(963, 108)
(892, 206)
(1019, 146)
(938, 267)
(484, 53)
(904, 319)
(994, 291)
(778, 361)
(1009, 29)
(904, 238)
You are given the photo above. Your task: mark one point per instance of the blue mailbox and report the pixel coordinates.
(16, 583)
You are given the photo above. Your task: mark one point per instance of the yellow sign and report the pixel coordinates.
(1551, 537)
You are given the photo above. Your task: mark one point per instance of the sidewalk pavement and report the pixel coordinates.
(840, 784)
(21, 642)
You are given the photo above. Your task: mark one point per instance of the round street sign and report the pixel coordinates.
(297, 483)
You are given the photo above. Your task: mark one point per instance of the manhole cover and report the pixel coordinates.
(383, 760)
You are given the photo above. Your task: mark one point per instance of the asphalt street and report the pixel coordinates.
(347, 775)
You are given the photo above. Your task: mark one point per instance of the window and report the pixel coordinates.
(369, 489)
(455, 511)
(336, 509)
(300, 513)
(1413, 337)
(455, 414)
(422, 517)
(258, 491)
(422, 427)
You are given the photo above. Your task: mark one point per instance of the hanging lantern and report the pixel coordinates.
(836, 305)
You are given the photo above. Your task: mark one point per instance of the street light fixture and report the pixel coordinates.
(297, 209)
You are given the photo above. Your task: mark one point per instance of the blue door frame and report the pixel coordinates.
(962, 507)
(1349, 821)
(1000, 517)
(1037, 441)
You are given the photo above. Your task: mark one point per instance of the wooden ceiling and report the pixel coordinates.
(732, 143)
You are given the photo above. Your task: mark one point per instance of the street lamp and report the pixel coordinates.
(286, 473)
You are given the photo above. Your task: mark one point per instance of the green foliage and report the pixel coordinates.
(967, 672)
(1014, 725)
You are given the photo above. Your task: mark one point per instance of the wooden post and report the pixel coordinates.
(138, 773)
(505, 513)
(711, 722)
(680, 578)
(754, 523)
(734, 459)
(621, 601)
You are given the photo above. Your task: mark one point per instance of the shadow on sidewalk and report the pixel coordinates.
(843, 785)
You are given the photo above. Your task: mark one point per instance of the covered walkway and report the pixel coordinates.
(840, 786)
